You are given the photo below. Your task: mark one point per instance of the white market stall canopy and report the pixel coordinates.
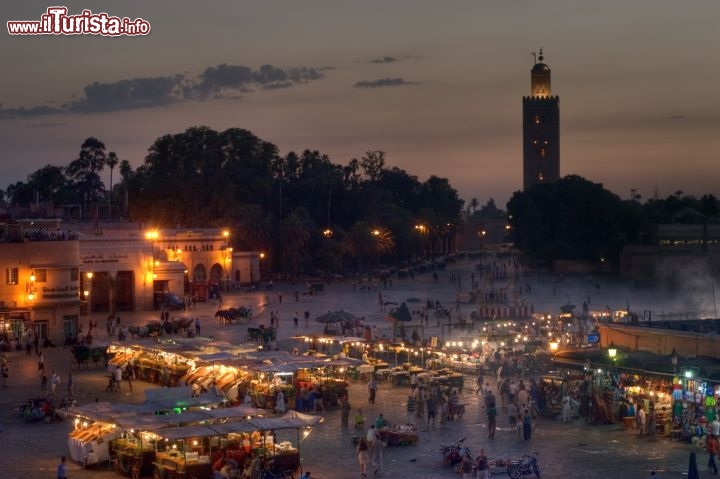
(291, 420)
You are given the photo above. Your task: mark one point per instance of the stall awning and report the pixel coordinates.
(291, 420)
(100, 411)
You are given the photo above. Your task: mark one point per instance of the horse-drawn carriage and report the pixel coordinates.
(259, 335)
(228, 315)
(84, 356)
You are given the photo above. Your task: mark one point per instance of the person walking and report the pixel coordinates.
(54, 381)
(491, 412)
(444, 412)
(712, 447)
(344, 412)
(376, 455)
(527, 425)
(466, 467)
(363, 456)
(61, 471)
(41, 363)
(43, 383)
(642, 420)
(129, 375)
(431, 410)
(482, 465)
(372, 390)
(118, 378)
(197, 328)
(71, 386)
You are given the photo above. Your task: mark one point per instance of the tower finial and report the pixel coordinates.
(540, 58)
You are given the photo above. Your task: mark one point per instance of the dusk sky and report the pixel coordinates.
(436, 85)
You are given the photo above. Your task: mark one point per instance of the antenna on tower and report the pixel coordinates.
(541, 55)
(534, 57)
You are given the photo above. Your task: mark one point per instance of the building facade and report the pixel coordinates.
(41, 288)
(54, 275)
(541, 129)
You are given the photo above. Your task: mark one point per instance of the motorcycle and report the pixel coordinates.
(527, 465)
(453, 453)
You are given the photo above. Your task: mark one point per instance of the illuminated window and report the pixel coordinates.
(542, 152)
(11, 276)
(540, 176)
(537, 119)
(41, 275)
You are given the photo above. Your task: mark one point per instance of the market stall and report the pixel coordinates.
(94, 428)
(399, 435)
(259, 442)
(160, 363)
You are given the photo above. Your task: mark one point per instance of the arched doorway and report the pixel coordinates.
(199, 283)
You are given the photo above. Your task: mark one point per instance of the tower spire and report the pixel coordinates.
(540, 58)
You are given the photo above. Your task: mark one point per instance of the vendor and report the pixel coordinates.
(219, 462)
(381, 422)
(359, 420)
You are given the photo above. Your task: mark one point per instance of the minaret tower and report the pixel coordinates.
(541, 129)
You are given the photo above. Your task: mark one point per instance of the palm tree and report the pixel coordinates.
(254, 227)
(358, 243)
(474, 203)
(111, 161)
(295, 237)
(363, 242)
(384, 242)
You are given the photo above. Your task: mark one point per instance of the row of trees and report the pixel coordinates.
(308, 213)
(576, 219)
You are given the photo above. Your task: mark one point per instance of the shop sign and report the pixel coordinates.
(593, 338)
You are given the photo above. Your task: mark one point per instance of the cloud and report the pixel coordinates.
(216, 82)
(277, 85)
(129, 94)
(677, 117)
(44, 125)
(384, 60)
(28, 112)
(383, 82)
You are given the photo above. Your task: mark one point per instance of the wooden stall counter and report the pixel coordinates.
(171, 466)
(130, 454)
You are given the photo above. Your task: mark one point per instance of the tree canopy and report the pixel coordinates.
(305, 211)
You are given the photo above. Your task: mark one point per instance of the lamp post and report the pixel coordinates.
(30, 293)
(87, 290)
(482, 234)
(612, 352)
(150, 276)
(227, 259)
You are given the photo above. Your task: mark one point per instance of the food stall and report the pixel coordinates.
(399, 435)
(160, 363)
(267, 443)
(94, 429)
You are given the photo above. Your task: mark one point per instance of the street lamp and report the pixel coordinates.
(30, 287)
(554, 345)
(152, 236)
(87, 289)
(612, 351)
